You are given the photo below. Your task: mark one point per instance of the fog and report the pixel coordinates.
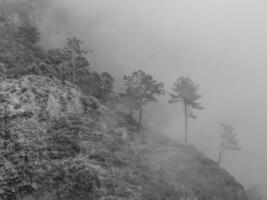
(220, 44)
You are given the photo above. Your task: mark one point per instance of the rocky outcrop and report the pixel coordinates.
(40, 98)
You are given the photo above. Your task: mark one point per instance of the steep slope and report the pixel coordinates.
(68, 146)
(185, 165)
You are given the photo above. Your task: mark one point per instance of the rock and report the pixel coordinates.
(41, 96)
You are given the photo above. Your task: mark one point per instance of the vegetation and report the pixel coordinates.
(18, 45)
(228, 141)
(141, 89)
(74, 53)
(186, 92)
(18, 163)
(44, 165)
(253, 193)
(83, 157)
(20, 54)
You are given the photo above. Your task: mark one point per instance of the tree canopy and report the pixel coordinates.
(186, 92)
(228, 141)
(74, 53)
(141, 89)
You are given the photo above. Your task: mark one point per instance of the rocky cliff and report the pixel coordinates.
(88, 151)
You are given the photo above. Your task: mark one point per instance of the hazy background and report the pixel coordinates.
(220, 44)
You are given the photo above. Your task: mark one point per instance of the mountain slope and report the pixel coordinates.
(68, 146)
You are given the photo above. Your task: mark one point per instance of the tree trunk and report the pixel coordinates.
(186, 123)
(6, 123)
(220, 158)
(140, 118)
(74, 69)
(14, 49)
(221, 151)
(131, 111)
(74, 74)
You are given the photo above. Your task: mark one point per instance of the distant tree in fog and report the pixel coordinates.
(19, 37)
(141, 89)
(253, 193)
(229, 141)
(101, 86)
(74, 52)
(186, 92)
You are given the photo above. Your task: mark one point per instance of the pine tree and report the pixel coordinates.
(141, 89)
(186, 92)
(73, 52)
(229, 141)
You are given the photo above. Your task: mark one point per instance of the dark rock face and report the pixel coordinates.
(98, 154)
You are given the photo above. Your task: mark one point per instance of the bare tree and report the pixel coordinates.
(229, 141)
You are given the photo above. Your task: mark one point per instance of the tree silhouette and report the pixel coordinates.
(141, 89)
(186, 92)
(73, 52)
(229, 141)
(19, 37)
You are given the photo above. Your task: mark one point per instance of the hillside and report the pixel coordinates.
(61, 144)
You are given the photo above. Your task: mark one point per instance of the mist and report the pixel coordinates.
(220, 45)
